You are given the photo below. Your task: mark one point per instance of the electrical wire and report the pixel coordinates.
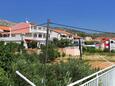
(79, 28)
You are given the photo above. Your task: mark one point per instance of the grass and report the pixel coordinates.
(99, 60)
(99, 56)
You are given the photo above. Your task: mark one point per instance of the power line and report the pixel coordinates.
(79, 28)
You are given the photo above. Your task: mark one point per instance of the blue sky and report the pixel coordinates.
(91, 14)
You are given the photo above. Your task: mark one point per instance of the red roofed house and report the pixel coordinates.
(61, 34)
(24, 32)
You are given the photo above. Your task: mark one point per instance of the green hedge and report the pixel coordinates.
(91, 50)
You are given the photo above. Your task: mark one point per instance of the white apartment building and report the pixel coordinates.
(60, 34)
(24, 32)
(28, 32)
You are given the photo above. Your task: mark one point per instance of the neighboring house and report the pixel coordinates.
(99, 39)
(25, 32)
(59, 34)
(88, 38)
(62, 34)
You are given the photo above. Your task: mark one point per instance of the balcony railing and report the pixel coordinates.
(10, 38)
(105, 77)
(21, 38)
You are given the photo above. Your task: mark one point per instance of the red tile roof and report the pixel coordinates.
(20, 28)
(99, 38)
(4, 28)
(61, 31)
(76, 37)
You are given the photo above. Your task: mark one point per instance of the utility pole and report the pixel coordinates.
(46, 53)
(80, 48)
(47, 38)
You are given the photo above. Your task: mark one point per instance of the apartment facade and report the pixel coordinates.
(24, 32)
(61, 34)
(28, 32)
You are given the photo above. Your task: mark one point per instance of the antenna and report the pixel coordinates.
(27, 20)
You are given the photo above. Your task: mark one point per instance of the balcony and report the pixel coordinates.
(105, 77)
(17, 39)
(7, 39)
(35, 38)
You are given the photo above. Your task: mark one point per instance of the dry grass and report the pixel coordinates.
(99, 61)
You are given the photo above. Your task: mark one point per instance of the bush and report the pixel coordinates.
(91, 50)
(4, 80)
(52, 53)
(10, 47)
(63, 54)
(89, 42)
(53, 74)
(32, 44)
(30, 66)
(62, 43)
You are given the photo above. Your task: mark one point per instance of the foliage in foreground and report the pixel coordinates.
(29, 65)
(53, 74)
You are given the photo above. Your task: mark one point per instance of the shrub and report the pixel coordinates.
(30, 66)
(52, 53)
(89, 42)
(53, 74)
(63, 54)
(91, 50)
(32, 44)
(62, 43)
(4, 79)
(10, 47)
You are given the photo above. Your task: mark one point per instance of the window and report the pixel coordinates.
(44, 35)
(35, 27)
(35, 35)
(31, 27)
(13, 35)
(40, 28)
(40, 35)
(70, 36)
(44, 28)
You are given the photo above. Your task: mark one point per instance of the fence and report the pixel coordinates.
(105, 77)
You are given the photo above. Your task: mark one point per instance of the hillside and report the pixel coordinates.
(6, 22)
(81, 33)
(85, 33)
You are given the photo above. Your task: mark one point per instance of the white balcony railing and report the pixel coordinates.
(21, 38)
(35, 38)
(105, 77)
(10, 38)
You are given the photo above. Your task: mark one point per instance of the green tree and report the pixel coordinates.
(4, 79)
(62, 43)
(52, 53)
